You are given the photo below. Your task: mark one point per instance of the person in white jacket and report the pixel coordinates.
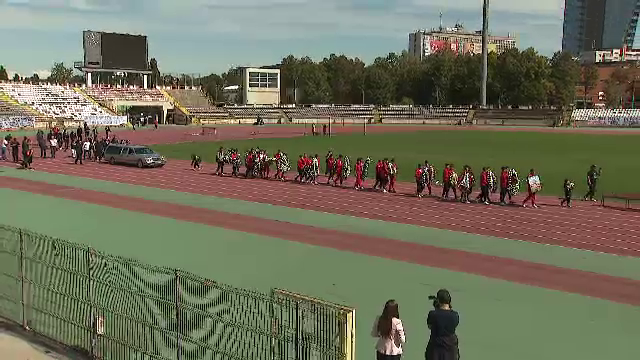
(390, 333)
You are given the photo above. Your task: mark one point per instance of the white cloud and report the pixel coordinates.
(517, 6)
(538, 22)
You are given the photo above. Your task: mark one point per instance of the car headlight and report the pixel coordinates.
(149, 159)
(162, 158)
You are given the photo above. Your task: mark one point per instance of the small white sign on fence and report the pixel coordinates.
(99, 325)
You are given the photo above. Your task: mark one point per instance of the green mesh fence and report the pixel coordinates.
(116, 308)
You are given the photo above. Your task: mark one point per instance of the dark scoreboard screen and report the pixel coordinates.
(124, 52)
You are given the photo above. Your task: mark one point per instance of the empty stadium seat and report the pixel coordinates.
(102, 94)
(55, 101)
(606, 117)
(421, 114)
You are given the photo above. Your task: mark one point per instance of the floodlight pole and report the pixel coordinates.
(485, 52)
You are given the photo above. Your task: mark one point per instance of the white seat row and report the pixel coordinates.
(126, 94)
(54, 101)
(607, 117)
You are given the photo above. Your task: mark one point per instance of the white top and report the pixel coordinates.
(4, 143)
(86, 145)
(393, 345)
(54, 142)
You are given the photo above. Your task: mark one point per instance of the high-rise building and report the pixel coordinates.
(425, 42)
(600, 24)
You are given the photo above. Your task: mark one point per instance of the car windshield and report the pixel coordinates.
(144, 151)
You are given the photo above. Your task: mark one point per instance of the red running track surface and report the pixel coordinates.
(586, 226)
(616, 289)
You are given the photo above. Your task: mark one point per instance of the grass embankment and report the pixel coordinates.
(555, 156)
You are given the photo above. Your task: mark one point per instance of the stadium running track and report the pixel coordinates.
(586, 226)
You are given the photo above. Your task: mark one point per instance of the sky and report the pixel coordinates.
(210, 36)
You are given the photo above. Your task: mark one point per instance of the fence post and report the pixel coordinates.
(22, 281)
(298, 332)
(92, 319)
(177, 304)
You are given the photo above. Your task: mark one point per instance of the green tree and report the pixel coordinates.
(3, 74)
(212, 86)
(35, 78)
(342, 73)
(564, 75)
(616, 87)
(16, 77)
(589, 78)
(155, 73)
(60, 74)
(379, 84)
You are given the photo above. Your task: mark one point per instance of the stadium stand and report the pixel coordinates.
(397, 114)
(10, 107)
(314, 113)
(517, 117)
(210, 113)
(54, 101)
(606, 117)
(270, 114)
(190, 98)
(105, 94)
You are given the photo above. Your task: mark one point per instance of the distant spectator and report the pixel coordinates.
(15, 149)
(5, 144)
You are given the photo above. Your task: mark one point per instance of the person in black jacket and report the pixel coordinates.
(78, 148)
(442, 321)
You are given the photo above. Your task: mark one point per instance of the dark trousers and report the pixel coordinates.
(43, 152)
(503, 194)
(380, 356)
(591, 193)
(484, 193)
(220, 169)
(53, 152)
(15, 154)
(79, 156)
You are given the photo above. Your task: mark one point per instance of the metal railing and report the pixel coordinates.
(116, 308)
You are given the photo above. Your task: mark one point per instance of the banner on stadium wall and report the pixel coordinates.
(104, 120)
(15, 122)
(607, 117)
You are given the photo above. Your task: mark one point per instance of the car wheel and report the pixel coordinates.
(140, 164)
(112, 161)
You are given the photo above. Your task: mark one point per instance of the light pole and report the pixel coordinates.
(485, 52)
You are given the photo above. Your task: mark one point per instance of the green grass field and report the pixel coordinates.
(555, 156)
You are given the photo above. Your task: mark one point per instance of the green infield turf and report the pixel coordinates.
(500, 320)
(555, 156)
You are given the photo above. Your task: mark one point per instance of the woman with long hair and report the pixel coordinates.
(390, 333)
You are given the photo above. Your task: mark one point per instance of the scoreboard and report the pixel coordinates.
(111, 51)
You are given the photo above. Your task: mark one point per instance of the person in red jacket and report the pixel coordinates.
(504, 185)
(378, 175)
(532, 191)
(277, 157)
(339, 165)
(359, 174)
(301, 162)
(384, 175)
(329, 171)
(446, 181)
(248, 161)
(420, 180)
(308, 164)
(484, 186)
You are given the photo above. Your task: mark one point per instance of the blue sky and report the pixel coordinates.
(204, 36)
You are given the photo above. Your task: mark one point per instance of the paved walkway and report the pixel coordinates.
(16, 344)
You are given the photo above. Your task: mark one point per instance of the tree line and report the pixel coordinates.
(515, 78)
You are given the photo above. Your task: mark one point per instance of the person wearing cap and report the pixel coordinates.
(442, 321)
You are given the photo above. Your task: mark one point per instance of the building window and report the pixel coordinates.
(263, 80)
